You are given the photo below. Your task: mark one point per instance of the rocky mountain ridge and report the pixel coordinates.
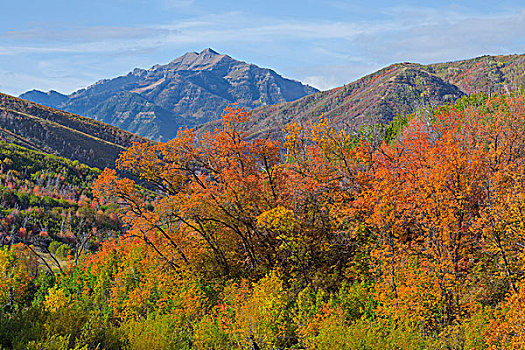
(191, 90)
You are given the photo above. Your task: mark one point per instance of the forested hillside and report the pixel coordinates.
(403, 235)
(46, 202)
(399, 89)
(487, 74)
(60, 133)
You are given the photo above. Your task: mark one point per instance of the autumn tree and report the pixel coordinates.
(210, 191)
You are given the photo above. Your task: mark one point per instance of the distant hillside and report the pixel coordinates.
(487, 73)
(61, 133)
(50, 98)
(191, 90)
(400, 88)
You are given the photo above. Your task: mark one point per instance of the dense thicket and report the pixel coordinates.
(46, 203)
(401, 236)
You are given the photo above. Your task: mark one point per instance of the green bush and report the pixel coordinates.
(156, 332)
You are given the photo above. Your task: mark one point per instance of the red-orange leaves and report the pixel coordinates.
(166, 165)
(210, 192)
(452, 179)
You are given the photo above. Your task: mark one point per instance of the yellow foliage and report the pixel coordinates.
(56, 300)
(507, 328)
(159, 332)
(278, 219)
(18, 267)
(263, 314)
(246, 316)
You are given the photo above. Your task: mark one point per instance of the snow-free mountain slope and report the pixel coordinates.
(190, 90)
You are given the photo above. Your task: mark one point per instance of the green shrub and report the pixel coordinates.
(209, 335)
(156, 332)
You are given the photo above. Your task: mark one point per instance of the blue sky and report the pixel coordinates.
(69, 44)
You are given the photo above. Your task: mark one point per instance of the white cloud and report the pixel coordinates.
(435, 36)
(83, 34)
(328, 77)
(320, 82)
(428, 33)
(322, 53)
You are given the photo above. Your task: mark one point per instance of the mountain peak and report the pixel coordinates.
(206, 59)
(209, 51)
(192, 89)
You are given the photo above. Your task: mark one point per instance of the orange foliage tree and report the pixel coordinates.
(446, 195)
(431, 219)
(212, 188)
(216, 193)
